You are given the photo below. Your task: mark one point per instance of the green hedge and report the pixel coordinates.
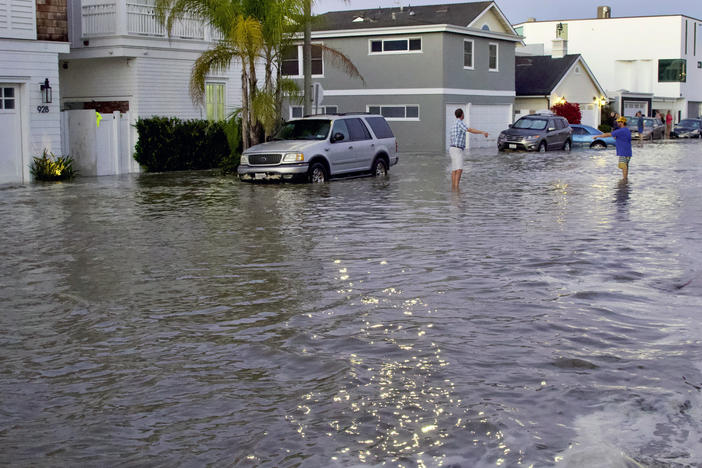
(172, 144)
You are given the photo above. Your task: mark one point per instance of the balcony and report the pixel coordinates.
(101, 18)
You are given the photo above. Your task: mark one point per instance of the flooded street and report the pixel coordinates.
(546, 315)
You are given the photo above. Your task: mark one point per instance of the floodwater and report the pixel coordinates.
(546, 315)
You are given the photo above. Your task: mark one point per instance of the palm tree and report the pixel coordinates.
(250, 32)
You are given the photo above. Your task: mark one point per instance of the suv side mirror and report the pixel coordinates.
(337, 137)
(551, 129)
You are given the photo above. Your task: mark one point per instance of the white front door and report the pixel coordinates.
(491, 118)
(588, 114)
(10, 135)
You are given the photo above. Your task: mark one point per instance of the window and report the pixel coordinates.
(358, 130)
(214, 98)
(409, 112)
(672, 70)
(580, 131)
(7, 98)
(485, 27)
(468, 54)
(395, 46)
(292, 65)
(341, 127)
(380, 127)
(699, 64)
(297, 111)
(492, 58)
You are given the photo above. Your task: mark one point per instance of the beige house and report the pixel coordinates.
(543, 81)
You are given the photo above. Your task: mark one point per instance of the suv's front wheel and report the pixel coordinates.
(380, 168)
(317, 173)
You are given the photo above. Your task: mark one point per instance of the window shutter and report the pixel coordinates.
(18, 19)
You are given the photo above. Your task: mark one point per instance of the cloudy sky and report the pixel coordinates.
(518, 11)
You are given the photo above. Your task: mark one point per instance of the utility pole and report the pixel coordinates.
(307, 60)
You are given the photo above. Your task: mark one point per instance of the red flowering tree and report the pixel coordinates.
(570, 111)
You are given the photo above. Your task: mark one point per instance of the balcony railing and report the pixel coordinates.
(133, 17)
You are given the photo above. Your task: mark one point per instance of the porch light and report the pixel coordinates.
(45, 92)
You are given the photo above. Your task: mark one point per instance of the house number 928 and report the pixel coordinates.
(43, 109)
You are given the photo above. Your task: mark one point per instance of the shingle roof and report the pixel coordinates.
(538, 75)
(458, 14)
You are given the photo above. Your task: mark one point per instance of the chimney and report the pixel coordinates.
(531, 20)
(604, 12)
(559, 48)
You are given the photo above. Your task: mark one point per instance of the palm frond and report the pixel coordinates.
(213, 60)
(341, 61)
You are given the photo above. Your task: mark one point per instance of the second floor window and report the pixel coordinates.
(492, 57)
(214, 97)
(292, 65)
(672, 70)
(395, 46)
(468, 54)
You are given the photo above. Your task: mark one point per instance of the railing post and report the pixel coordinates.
(121, 18)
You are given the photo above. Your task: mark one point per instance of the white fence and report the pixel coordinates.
(106, 149)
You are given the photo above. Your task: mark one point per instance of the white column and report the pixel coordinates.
(121, 18)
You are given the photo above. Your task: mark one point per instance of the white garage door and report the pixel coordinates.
(490, 118)
(10, 135)
(588, 114)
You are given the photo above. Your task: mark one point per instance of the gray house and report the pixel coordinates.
(419, 65)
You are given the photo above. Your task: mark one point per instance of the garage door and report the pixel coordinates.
(10, 135)
(490, 118)
(588, 114)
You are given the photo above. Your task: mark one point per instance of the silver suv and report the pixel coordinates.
(318, 147)
(540, 132)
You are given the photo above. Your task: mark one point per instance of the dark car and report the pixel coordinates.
(537, 132)
(687, 128)
(653, 128)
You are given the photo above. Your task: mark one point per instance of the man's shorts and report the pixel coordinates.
(456, 155)
(624, 162)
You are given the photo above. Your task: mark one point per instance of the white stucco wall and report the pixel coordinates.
(623, 53)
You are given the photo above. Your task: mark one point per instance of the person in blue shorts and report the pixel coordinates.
(622, 136)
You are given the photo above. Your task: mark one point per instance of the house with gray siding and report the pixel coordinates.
(419, 64)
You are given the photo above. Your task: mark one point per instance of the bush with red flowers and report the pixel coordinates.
(568, 110)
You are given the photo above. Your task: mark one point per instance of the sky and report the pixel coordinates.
(517, 11)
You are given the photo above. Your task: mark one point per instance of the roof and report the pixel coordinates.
(605, 19)
(538, 75)
(458, 14)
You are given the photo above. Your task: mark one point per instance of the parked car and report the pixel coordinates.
(687, 128)
(653, 128)
(539, 132)
(582, 135)
(319, 147)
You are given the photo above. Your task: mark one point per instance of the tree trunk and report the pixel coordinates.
(307, 59)
(244, 108)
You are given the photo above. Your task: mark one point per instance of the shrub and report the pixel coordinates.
(568, 110)
(232, 128)
(172, 144)
(48, 166)
(604, 128)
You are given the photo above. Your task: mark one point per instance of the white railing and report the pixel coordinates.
(98, 17)
(133, 17)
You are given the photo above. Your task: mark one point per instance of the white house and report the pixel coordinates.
(122, 59)
(647, 63)
(29, 51)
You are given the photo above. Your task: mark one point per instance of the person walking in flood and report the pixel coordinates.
(458, 145)
(622, 141)
(668, 124)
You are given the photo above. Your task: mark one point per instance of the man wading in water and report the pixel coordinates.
(458, 144)
(622, 137)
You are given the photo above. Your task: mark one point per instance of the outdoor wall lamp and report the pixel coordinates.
(45, 92)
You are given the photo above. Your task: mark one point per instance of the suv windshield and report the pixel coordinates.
(535, 124)
(317, 129)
